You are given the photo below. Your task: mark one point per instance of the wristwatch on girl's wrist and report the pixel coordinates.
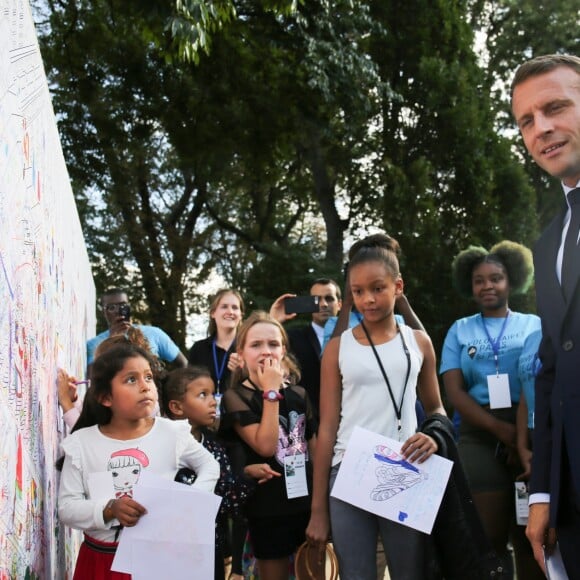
(272, 396)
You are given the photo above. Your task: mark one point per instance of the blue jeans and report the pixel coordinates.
(355, 534)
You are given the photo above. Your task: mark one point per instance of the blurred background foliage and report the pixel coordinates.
(251, 142)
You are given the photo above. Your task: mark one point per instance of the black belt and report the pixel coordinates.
(101, 547)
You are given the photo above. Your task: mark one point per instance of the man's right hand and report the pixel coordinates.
(277, 311)
(120, 326)
(537, 531)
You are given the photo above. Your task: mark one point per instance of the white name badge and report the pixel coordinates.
(522, 506)
(499, 391)
(295, 475)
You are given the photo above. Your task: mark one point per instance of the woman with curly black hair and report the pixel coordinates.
(480, 373)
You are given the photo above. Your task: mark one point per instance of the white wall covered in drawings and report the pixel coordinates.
(47, 305)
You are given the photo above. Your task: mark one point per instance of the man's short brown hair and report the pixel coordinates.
(542, 65)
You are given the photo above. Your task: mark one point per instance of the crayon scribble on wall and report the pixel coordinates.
(47, 305)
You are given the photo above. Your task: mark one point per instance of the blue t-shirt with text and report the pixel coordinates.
(468, 348)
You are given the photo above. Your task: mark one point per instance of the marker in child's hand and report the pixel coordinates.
(86, 382)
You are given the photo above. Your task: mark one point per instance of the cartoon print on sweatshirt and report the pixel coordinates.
(125, 467)
(291, 438)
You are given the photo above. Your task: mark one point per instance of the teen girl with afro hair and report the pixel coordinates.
(479, 366)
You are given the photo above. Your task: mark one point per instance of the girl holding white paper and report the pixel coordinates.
(371, 376)
(115, 439)
(479, 366)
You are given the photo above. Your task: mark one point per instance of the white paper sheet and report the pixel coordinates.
(555, 569)
(374, 477)
(197, 560)
(101, 485)
(176, 536)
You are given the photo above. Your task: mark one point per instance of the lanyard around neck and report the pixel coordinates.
(399, 409)
(219, 369)
(495, 344)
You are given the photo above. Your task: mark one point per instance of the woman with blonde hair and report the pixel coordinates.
(217, 352)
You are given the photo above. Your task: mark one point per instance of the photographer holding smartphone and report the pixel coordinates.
(117, 312)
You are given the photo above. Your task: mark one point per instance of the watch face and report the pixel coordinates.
(271, 395)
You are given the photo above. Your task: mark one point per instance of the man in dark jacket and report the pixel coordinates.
(306, 341)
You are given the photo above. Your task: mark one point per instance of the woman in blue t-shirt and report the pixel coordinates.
(479, 366)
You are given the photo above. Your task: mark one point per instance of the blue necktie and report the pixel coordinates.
(571, 258)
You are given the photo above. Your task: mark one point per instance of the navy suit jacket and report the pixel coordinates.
(305, 347)
(557, 405)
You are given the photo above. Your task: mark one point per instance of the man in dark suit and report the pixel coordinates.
(546, 106)
(306, 341)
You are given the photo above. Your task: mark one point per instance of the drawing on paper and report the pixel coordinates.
(394, 474)
(375, 477)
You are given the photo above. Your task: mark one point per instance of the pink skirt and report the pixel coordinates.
(95, 560)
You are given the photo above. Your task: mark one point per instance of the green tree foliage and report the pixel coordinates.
(448, 179)
(126, 116)
(514, 31)
(260, 152)
(306, 95)
(191, 163)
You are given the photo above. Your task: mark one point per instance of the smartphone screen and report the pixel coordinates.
(125, 312)
(301, 304)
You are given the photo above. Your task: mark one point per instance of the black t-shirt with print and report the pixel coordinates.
(296, 426)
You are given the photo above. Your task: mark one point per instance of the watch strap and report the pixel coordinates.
(272, 395)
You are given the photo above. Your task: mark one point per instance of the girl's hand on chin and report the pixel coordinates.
(271, 375)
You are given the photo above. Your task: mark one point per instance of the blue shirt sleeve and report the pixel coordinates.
(160, 343)
(90, 350)
(451, 354)
(353, 319)
(93, 343)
